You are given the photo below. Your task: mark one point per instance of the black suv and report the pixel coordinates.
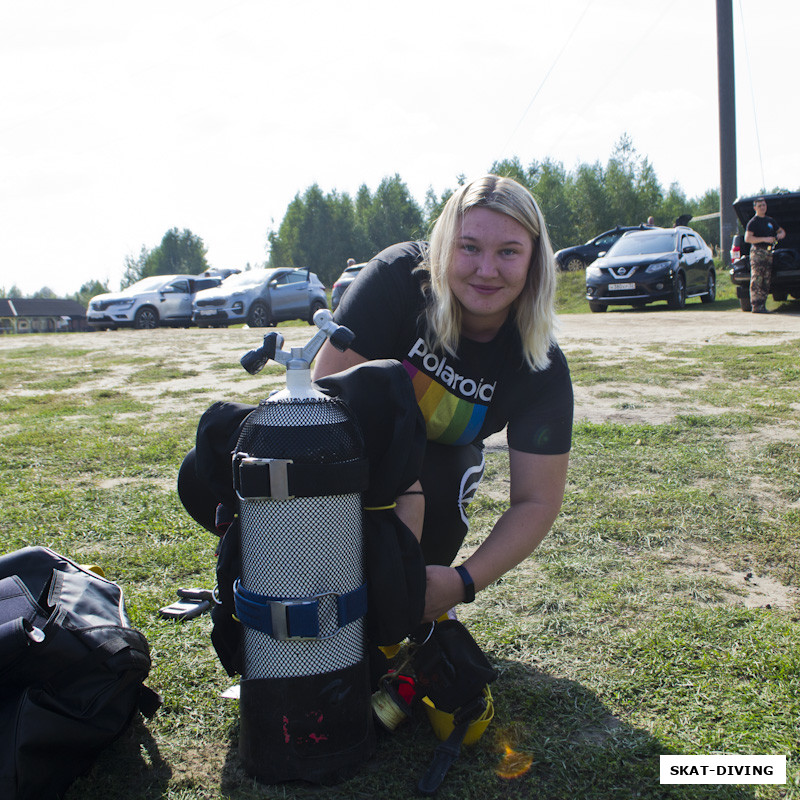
(669, 264)
(784, 208)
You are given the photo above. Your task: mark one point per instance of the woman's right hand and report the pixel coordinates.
(444, 590)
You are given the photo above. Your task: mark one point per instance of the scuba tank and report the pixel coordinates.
(298, 471)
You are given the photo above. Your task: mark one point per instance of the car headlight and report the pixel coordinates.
(593, 272)
(121, 305)
(659, 266)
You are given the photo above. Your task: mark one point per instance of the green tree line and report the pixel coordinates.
(323, 230)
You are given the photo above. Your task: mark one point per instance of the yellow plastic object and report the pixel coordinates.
(94, 568)
(391, 650)
(443, 725)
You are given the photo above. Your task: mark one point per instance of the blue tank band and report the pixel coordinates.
(288, 619)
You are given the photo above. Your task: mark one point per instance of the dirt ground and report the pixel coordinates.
(623, 335)
(210, 357)
(613, 336)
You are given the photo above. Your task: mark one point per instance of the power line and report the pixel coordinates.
(544, 80)
(752, 97)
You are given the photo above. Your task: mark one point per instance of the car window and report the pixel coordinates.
(244, 280)
(206, 283)
(299, 276)
(177, 287)
(633, 245)
(606, 241)
(689, 241)
(146, 285)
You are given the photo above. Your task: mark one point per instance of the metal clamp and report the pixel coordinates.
(278, 476)
(279, 614)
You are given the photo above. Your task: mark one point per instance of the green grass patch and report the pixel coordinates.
(633, 631)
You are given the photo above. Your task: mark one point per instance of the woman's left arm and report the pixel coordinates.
(537, 491)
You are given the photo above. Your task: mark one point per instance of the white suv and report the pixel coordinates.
(154, 301)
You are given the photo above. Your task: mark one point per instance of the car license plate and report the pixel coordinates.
(208, 312)
(620, 287)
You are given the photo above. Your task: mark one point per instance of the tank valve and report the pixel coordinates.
(299, 357)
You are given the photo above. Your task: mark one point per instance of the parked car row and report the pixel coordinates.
(631, 265)
(148, 303)
(259, 297)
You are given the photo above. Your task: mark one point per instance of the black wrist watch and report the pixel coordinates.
(469, 584)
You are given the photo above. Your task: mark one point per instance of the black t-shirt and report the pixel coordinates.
(762, 226)
(466, 398)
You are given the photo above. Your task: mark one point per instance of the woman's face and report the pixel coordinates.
(489, 269)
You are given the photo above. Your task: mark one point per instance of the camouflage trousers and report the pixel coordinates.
(760, 273)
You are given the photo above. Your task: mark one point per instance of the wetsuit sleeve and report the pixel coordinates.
(541, 421)
(383, 302)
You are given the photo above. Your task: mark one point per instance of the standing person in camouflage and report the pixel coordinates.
(761, 234)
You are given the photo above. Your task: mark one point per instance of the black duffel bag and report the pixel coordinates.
(71, 672)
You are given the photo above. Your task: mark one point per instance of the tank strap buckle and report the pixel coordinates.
(281, 611)
(278, 475)
(297, 619)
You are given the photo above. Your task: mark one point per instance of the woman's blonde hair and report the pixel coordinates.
(534, 309)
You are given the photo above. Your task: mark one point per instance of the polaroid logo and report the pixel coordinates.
(723, 769)
(439, 368)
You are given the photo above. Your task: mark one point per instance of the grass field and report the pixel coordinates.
(633, 632)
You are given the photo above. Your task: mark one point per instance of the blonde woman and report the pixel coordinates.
(471, 316)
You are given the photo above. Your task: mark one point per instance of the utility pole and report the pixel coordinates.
(728, 225)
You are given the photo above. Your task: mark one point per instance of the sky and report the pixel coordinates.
(120, 121)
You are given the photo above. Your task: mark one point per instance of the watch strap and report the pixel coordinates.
(469, 584)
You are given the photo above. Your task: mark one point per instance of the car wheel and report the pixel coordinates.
(678, 299)
(315, 306)
(745, 304)
(574, 264)
(258, 316)
(711, 289)
(597, 307)
(146, 318)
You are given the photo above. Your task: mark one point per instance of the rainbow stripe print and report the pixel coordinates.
(449, 419)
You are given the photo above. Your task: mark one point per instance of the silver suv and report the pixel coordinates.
(148, 303)
(261, 298)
